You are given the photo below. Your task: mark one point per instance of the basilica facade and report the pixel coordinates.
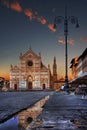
(31, 74)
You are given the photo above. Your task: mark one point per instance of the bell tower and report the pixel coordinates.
(54, 70)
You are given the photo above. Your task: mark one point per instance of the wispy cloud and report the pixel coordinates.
(84, 39)
(61, 41)
(41, 19)
(14, 6)
(69, 41)
(29, 13)
(50, 26)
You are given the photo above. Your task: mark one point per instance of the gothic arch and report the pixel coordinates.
(30, 82)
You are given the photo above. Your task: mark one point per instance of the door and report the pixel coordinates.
(29, 85)
(44, 86)
(15, 86)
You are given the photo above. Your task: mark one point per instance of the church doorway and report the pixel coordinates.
(15, 86)
(30, 85)
(30, 82)
(44, 86)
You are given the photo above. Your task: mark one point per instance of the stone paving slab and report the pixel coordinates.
(14, 102)
(64, 112)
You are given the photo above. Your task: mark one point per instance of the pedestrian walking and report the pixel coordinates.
(62, 87)
(83, 94)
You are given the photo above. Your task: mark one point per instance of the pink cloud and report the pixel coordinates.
(69, 41)
(29, 13)
(61, 41)
(14, 6)
(50, 26)
(42, 20)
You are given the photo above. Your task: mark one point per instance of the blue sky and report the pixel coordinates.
(25, 23)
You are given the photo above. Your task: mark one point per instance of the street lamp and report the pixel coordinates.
(73, 20)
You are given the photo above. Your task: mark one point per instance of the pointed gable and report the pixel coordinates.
(29, 54)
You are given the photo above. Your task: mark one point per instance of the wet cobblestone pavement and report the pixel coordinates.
(64, 112)
(61, 112)
(13, 102)
(64, 120)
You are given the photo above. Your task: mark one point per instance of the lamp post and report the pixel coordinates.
(73, 20)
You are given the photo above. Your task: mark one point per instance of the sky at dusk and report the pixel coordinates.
(25, 23)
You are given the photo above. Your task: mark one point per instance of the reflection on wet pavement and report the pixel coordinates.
(24, 120)
(52, 118)
(11, 124)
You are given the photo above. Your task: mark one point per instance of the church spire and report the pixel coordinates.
(54, 70)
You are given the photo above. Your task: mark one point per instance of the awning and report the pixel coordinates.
(81, 79)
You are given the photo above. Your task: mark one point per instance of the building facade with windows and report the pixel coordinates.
(73, 67)
(82, 63)
(79, 68)
(31, 74)
(83, 58)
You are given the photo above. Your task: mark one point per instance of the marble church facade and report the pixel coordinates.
(31, 74)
